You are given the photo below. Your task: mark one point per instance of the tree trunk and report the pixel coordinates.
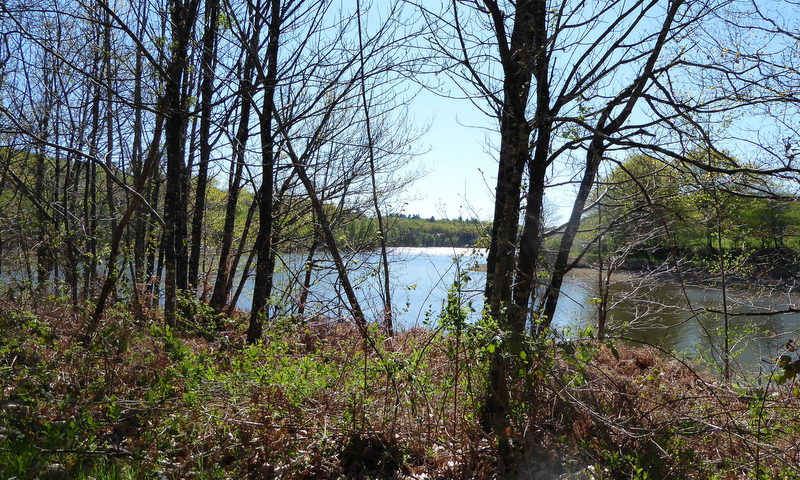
(530, 241)
(264, 268)
(182, 20)
(517, 61)
(139, 227)
(109, 119)
(90, 195)
(242, 282)
(605, 127)
(560, 268)
(44, 256)
(307, 277)
(153, 248)
(208, 64)
(234, 264)
(117, 234)
(219, 296)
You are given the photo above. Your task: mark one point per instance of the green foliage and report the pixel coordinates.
(579, 353)
(650, 463)
(738, 335)
(307, 398)
(196, 316)
(789, 363)
(642, 194)
(418, 232)
(455, 310)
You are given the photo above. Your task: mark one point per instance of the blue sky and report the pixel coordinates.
(460, 161)
(461, 172)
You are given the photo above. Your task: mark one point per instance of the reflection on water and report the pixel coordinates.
(670, 322)
(656, 313)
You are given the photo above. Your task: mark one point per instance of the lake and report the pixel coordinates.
(639, 309)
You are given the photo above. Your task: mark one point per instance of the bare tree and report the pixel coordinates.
(208, 66)
(225, 271)
(563, 80)
(310, 80)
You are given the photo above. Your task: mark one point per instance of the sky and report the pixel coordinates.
(458, 167)
(459, 174)
(459, 163)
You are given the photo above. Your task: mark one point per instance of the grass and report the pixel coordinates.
(315, 401)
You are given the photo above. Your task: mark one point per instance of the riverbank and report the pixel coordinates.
(316, 401)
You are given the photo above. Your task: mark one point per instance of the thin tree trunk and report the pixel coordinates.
(90, 196)
(119, 230)
(387, 294)
(330, 239)
(242, 282)
(308, 275)
(602, 286)
(222, 284)
(137, 160)
(605, 127)
(530, 241)
(153, 248)
(517, 59)
(71, 270)
(264, 270)
(109, 119)
(726, 353)
(234, 264)
(44, 262)
(208, 64)
(560, 268)
(139, 227)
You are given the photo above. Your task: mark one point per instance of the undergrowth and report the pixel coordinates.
(314, 400)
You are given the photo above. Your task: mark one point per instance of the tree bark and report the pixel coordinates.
(264, 267)
(530, 241)
(208, 65)
(182, 17)
(516, 58)
(219, 296)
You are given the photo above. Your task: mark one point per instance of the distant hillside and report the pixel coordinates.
(414, 231)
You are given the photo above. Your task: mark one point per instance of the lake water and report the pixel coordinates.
(656, 313)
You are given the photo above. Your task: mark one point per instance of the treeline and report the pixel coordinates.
(413, 231)
(648, 205)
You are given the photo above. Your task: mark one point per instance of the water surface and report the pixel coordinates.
(653, 312)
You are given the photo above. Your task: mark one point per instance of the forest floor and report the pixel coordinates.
(317, 401)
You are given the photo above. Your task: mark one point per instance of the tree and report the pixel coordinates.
(208, 66)
(566, 80)
(635, 208)
(307, 95)
(103, 119)
(183, 14)
(225, 269)
(553, 89)
(382, 233)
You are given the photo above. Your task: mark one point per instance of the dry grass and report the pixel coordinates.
(315, 401)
